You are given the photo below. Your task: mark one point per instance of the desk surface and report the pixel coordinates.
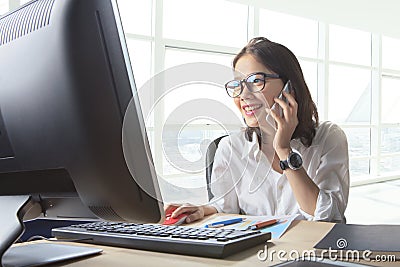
(302, 235)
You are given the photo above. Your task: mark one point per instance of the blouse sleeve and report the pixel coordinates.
(332, 178)
(225, 198)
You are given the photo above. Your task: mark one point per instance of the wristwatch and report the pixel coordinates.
(294, 161)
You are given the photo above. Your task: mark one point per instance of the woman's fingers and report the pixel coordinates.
(291, 99)
(284, 106)
(184, 208)
(273, 113)
(170, 206)
(197, 215)
(289, 108)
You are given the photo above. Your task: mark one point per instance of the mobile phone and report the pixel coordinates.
(288, 89)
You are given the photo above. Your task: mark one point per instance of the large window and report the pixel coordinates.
(353, 76)
(340, 65)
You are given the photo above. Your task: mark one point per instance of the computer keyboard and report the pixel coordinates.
(205, 242)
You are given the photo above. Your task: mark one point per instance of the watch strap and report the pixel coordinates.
(284, 164)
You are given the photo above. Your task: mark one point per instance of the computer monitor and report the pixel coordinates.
(65, 84)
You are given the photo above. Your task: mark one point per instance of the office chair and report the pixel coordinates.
(211, 149)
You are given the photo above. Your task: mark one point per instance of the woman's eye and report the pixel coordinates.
(257, 81)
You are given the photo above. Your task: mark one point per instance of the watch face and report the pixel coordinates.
(295, 161)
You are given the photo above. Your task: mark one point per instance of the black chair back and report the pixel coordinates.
(211, 149)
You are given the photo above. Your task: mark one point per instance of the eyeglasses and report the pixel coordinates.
(255, 82)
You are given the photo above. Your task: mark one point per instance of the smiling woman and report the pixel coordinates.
(302, 168)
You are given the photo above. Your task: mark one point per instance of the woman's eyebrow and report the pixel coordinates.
(237, 75)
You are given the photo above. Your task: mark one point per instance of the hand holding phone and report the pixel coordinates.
(284, 127)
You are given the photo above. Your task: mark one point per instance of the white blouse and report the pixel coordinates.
(243, 180)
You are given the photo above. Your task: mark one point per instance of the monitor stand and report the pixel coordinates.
(12, 211)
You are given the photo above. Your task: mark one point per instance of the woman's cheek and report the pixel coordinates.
(237, 103)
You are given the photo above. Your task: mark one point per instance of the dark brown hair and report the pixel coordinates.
(282, 61)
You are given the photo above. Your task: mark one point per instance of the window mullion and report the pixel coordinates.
(323, 70)
(376, 110)
(156, 89)
(253, 22)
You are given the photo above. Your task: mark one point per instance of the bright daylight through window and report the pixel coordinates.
(353, 76)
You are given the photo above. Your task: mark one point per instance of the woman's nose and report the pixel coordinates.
(246, 93)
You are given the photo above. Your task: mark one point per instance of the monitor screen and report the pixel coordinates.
(65, 84)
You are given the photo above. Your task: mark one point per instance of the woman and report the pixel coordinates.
(300, 166)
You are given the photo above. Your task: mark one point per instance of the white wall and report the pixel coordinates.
(377, 16)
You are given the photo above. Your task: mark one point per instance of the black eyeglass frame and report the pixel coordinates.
(265, 78)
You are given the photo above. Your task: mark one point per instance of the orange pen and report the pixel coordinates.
(262, 224)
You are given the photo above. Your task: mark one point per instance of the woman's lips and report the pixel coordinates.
(250, 110)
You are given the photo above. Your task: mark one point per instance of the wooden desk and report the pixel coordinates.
(302, 235)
